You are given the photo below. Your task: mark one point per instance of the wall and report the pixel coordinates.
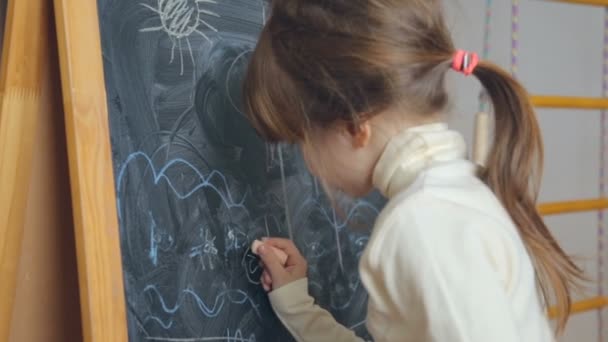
(560, 53)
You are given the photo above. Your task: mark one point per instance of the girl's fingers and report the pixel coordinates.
(266, 281)
(272, 264)
(266, 287)
(287, 246)
(266, 278)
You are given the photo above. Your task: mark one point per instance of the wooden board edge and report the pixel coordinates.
(91, 176)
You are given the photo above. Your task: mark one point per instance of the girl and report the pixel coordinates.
(458, 252)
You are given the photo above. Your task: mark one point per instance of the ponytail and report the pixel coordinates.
(513, 171)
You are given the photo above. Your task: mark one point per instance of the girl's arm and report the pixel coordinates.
(290, 300)
(306, 321)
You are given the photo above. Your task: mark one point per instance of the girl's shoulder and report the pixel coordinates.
(441, 202)
(438, 222)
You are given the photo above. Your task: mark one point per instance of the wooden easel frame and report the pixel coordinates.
(24, 65)
(93, 196)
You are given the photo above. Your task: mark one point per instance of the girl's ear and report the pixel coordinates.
(360, 134)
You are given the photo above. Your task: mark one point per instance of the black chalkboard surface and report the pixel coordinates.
(195, 185)
(3, 4)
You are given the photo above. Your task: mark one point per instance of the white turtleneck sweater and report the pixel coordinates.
(444, 261)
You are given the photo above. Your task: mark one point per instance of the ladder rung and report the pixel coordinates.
(584, 306)
(573, 206)
(587, 2)
(570, 102)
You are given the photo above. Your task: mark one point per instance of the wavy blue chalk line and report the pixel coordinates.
(233, 296)
(205, 182)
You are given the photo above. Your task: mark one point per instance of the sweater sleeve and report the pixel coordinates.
(306, 321)
(442, 284)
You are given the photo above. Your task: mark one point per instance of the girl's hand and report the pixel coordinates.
(275, 274)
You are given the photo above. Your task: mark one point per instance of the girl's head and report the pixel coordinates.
(341, 77)
(323, 71)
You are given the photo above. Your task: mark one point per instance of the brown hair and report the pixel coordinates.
(319, 62)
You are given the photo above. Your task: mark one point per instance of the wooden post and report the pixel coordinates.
(24, 59)
(46, 295)
(91, 177)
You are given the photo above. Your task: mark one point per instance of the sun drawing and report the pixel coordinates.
(180, 19)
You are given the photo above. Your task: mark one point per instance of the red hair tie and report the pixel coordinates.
(465, 62)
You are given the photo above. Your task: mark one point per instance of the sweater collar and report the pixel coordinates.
(413, 151)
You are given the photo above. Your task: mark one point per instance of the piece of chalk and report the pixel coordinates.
(279, 253)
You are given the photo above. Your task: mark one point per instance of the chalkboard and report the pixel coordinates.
(195, 185)
(3, 4)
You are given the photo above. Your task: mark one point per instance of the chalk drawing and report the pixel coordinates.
(251, 264)
(271, 159)
(312, 284)
(223, 190)
(229, 75)
(179, 19)
(175, 139)
(153, 254)
(355, 326)
(228, 296)
(157, 320)
(284, 187)
(205, 251)
(272, 223)
(340, 291)
(229, 337)
(235, 239)
(180, 206)
(338, 225)
(156, 239)
(315, 249)
(354, 285)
